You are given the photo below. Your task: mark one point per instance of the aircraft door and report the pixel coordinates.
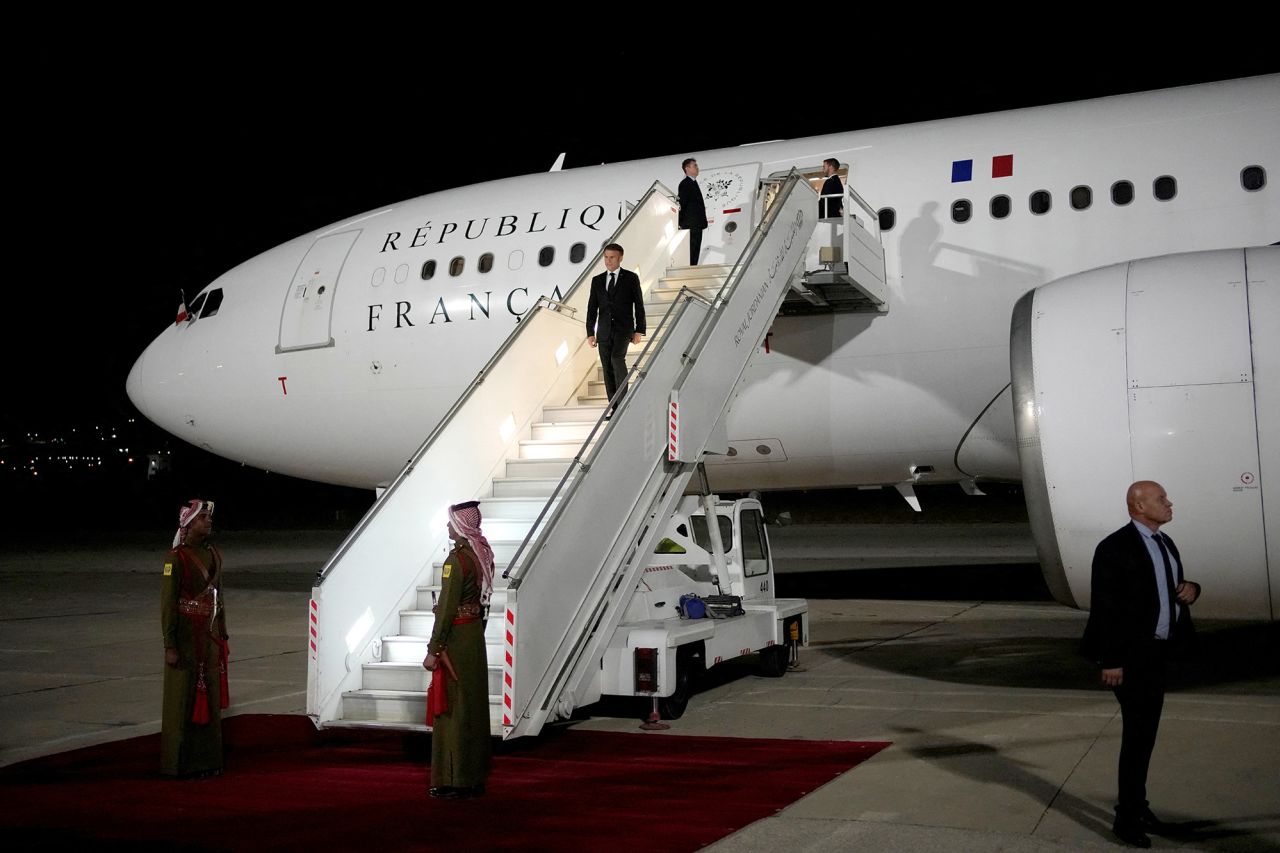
(730, 196)
(306, 320)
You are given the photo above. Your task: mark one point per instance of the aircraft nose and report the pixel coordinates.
(140, 393)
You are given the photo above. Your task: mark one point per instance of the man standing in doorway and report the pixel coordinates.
(693, 210)
(615, 319)
(828, 207)
(1139, 619)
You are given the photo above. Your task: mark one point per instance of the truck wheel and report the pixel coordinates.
(672, 707)
(774, 660)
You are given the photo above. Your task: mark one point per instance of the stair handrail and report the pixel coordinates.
(543, 303)
(634, 376)
(537, 535)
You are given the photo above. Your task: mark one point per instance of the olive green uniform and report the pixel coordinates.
(188, 748)
(460, 737)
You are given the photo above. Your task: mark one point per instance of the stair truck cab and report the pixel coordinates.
(663, 645)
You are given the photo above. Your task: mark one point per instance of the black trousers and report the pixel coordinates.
(695, 245)
(1141, 697)
(613, 358)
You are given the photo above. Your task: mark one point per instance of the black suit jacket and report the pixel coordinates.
(829, 207)
(693, 210)
(623, 313)
(1126, 603)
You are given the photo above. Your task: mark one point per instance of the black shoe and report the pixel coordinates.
(1154, 825)
(1130, 832)
(446, 792)
(472, 791)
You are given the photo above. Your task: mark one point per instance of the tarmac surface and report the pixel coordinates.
(1002, 738)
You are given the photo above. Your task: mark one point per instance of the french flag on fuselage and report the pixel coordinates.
(1001, 167)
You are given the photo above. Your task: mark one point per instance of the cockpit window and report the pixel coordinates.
(196, 303)
(212, 304)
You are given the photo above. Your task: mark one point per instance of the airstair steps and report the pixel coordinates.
(403, 648)
(536, 468)
(410, 676)
(524, 486)
(515, 507)
(685, 273)
(549, 448)
(400, 709)
(564, 430)
(572, 412)
(420, 623)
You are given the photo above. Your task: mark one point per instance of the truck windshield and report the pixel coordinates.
(703, 538)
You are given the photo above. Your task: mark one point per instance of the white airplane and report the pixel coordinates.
(1148, 346)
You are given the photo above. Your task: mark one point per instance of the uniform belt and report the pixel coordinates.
(195, 607)
(470, 610)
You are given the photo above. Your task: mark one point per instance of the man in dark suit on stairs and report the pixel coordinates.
(693, 210)
(1139, 619)
(615, 319)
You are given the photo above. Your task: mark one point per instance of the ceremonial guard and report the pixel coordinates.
(458, 697)
(194, 627)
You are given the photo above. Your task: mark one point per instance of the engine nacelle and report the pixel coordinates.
(1163, 369)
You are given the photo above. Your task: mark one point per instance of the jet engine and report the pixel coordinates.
(1163, 369)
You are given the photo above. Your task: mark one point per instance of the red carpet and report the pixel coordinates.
(288, 787)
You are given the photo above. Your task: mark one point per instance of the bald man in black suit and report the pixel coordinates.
(1139, 619)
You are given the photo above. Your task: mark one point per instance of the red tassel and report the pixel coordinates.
(225, 692)
(200, 713)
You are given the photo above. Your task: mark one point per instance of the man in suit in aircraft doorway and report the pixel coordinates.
(693, 210)
(831, 208)
(1139, 619)
(615, 319)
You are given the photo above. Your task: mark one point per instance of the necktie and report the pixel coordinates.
(1168, 582)
(609, 286)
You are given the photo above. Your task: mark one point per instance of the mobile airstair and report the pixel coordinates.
(573, 503)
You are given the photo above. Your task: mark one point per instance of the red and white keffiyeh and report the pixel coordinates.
(188, 514)
(465, 518)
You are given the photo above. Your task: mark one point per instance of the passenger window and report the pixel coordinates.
(1121, 193)
(1041, 201)
(888, 218)
(961, 210)
(428, 270)
(486, 262)
(1164, 187)
(577, 252)
(1081, 198)
(456, 265)
(703, 538)
(1253, 178)
(755, 555)
(546, 256)
(194, 308)
(212, 304)
(1000, 207)
(515, 260)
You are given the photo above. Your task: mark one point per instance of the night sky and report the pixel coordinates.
(140, 172)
